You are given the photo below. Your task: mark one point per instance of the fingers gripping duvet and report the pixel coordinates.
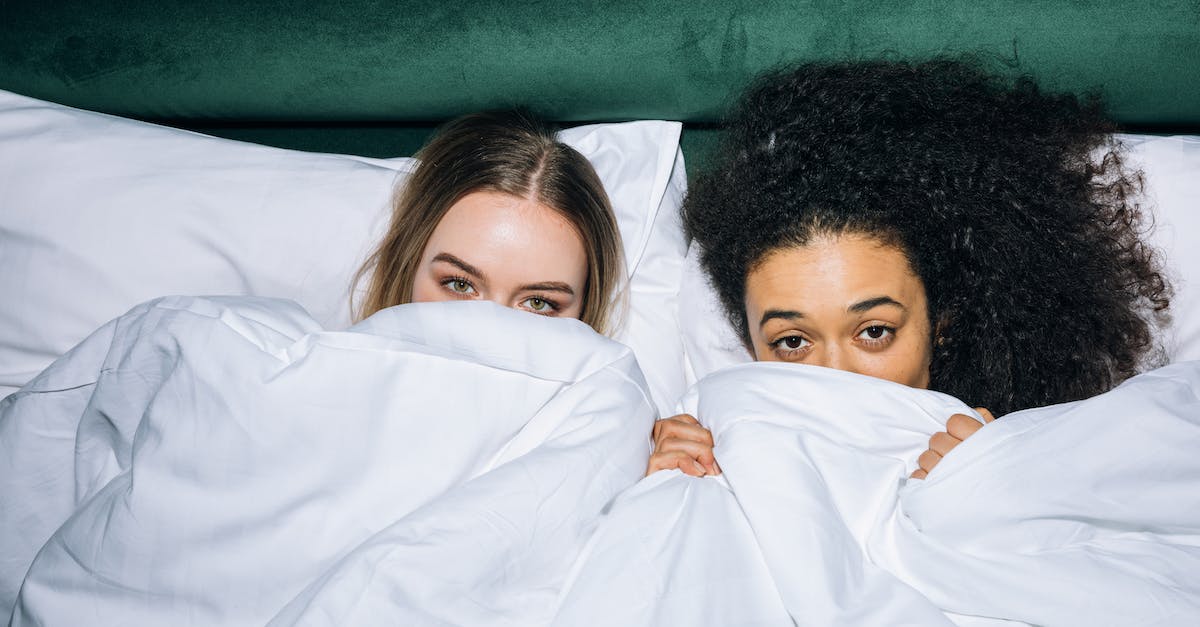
(204, 461)
(1085, 513)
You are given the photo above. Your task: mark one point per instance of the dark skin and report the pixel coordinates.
(1010, 202)
(848, 302)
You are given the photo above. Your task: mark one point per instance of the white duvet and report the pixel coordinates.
(224, 461)
(1080, 514)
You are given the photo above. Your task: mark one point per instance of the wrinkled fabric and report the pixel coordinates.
(206, 461)
(1085, 513)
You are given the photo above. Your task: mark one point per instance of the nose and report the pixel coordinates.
(833, 356)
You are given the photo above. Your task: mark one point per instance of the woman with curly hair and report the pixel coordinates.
(931, 224)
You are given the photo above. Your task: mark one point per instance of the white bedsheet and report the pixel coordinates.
(211, 461)
(1080, 514)
(226, 462)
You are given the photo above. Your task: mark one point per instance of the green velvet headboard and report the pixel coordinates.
(372, 76)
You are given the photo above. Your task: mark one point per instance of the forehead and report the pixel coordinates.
(510, 236)
(832, 272)
(495, 215)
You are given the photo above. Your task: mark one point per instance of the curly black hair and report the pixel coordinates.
(1012, 205)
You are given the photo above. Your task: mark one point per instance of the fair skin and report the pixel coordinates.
(510, 250)
(848, 302)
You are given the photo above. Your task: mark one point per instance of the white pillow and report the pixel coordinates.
(100, 213)
(1172, 169)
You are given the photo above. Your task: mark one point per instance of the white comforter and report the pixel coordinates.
(226, 462)
(1080, 514)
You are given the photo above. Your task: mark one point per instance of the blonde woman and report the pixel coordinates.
(498, 209)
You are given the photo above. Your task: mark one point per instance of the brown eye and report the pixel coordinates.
(790, 343)
(877, 334)
(791, 347)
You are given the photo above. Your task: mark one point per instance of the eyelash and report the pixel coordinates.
(878, 342)
(779, 349)
(554, 306)
(778, 345)
(458, 279)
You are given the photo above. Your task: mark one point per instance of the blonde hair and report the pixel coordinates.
(512, 153)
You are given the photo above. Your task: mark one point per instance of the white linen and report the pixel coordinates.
(1086, 513)
(210, 458)
(100, 213)
(709, 340)
(1171, 166)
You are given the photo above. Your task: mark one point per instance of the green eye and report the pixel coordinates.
(459, 286)
(539, 305)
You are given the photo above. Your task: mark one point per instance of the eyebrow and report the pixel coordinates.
(779, 314)
(549, 286)
(462, 265)
(859, 307)
(872, 303)
(544, 286)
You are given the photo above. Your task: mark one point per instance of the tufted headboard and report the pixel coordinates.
(372, 77)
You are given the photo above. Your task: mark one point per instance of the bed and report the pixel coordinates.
(349, 89)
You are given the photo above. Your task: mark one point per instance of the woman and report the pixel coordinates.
(498, 209)
(929, 224)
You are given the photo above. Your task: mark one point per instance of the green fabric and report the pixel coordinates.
(352, 64)
(392, 141)
(369, 140)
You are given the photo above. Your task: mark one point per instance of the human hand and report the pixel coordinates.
(680, 442)
(958, 428)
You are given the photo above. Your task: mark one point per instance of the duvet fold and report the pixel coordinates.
(209, 461)
(213, 461)
(1086, 513)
